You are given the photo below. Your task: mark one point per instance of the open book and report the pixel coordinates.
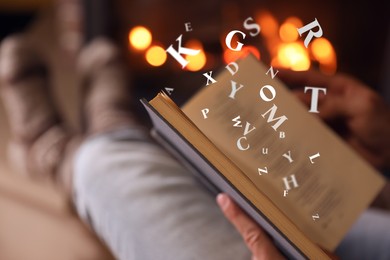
(279, 162)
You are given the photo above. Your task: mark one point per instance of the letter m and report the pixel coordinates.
(271, 117)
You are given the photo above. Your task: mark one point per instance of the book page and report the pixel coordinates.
(190, 144)
(287, 152)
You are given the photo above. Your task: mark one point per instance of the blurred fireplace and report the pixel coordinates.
(357, 30)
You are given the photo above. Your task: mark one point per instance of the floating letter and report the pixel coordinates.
(238, 122)
(271, 118)
(314, 98)
(316, 216)
(182, 50)
(246, 130)
(288, 156)
(273, 74)
(235, 65)
(239, 145)
(209, 78)
(188, 27)
(271, 89)
(205, 111)
(310, 35)
(292, 180)
(313, 157)
(252, 26)
(229, 37)
(259, 170)
(265, 150)
(169, 90)
(234, 89)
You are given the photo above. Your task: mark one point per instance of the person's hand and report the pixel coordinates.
(355, 111)
(255, 238)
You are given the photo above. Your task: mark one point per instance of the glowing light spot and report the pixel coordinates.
(293, 56)
(156, 56)
(269, 25)
(195, 62)
(322, 49)
(288, 32)
(230, 56)
(325, 54)
(140, 38)
(294, 21)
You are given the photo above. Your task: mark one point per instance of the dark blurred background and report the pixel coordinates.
(358, 32)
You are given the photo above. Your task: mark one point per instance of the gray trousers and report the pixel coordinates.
(144, 205)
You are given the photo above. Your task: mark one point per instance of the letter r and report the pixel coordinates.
(310, 35)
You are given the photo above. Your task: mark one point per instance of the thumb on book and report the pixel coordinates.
(254, 237)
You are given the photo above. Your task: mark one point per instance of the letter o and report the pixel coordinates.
(271, 89)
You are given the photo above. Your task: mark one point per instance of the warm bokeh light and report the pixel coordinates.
(275, 62)
(156, 56)
(286, 49)
(321, 49)
(140, 38)
(288, 32)
(230, 56)
(294, 21)
(269, 25)
(293, 56)
(195, 62)
(283, 43)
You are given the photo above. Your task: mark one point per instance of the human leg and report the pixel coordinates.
(141, 202)
(146, 206)
(40, 142)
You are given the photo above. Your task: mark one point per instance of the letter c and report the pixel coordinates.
(239, 145)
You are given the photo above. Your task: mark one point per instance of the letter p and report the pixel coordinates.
(205, 111)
